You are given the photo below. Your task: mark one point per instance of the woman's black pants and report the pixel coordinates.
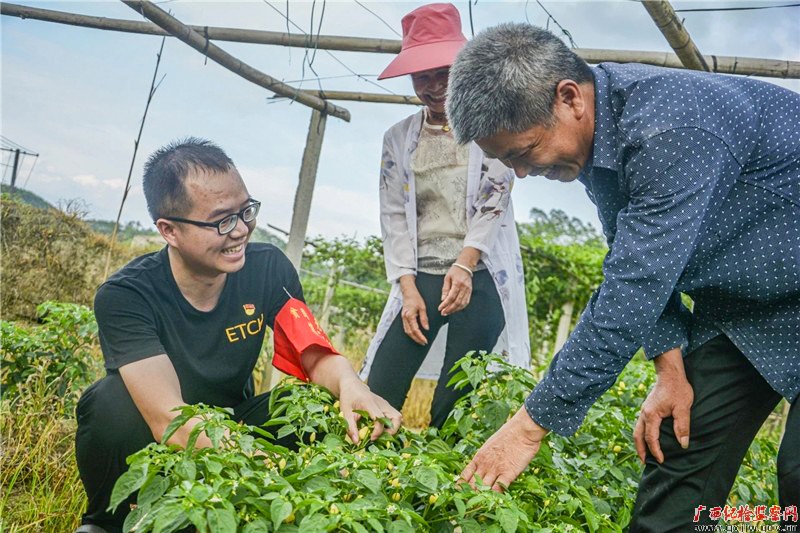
(476, 327)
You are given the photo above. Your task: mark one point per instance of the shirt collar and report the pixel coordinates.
(604, 152)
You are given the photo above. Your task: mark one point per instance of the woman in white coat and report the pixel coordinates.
(450, 242)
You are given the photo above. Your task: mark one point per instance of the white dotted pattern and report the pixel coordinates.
(696, 178)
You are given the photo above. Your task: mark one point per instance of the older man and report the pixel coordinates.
(696, 178)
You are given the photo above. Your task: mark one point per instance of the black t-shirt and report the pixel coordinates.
(141, 313)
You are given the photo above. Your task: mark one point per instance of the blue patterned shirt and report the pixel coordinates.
(696, 178)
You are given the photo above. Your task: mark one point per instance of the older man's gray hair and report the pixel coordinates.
(506, 78)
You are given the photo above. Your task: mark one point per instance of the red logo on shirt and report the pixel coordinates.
(249, 309)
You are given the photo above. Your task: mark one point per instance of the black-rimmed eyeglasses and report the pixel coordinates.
(227, 224)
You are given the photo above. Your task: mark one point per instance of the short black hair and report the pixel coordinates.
(167, 167)
(506, 77)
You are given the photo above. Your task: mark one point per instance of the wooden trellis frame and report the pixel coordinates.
(199, 37)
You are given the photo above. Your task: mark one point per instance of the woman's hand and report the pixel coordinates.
(414, 314)
(456, 291)
(457, 287)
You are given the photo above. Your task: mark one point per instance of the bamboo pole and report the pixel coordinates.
(564, 323)
(746, 66)
(305, 189)
(678, 38)
(153, 88)
(220, 56)
(367, 97)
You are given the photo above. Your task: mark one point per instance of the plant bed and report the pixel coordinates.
(402, 483)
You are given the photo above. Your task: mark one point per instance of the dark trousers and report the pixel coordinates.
(476, 327)
(731, 402)
(110, 428)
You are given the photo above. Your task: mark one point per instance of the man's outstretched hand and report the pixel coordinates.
(506, 454)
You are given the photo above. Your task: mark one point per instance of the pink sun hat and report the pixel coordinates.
(431, 39)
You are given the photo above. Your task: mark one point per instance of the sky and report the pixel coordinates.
(76, 96)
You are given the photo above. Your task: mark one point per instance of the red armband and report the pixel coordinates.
(295, 331)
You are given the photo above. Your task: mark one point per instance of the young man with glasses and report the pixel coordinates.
(186, 324)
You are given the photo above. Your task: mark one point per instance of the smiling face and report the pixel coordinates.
(558, 151)
(430, 86)
(202, 250)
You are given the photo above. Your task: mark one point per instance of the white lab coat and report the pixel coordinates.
(491, 229)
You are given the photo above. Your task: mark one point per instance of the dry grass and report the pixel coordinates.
(51, 255)
(417, 409)
(38, 474)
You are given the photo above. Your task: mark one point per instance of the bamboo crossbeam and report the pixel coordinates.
(377, 98)
(746, 66)
(672, 28)
(174, 27)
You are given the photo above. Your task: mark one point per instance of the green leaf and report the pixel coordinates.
(443, 527)
(221, 520)
(369, 480)
(127, 484)
(259, 525)
(197, 516)
(152, 491)
(213, 466)
(169, 517)
(494, 413)
(744, 492)
(285, 431)
(602, 506)
(215, 434)
(318, 465)
(470, 526)
(399, 526)
(314, 523)
(176, 424)
(375, 525)
(508, 520)
(186, 469)
(460, 506)
(279, 509)
(358, 528)
(426, 478)
(200, 493)
(137, 519)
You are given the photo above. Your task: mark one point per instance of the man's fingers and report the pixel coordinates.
(377, 430)
(651, 434)
(487, 478)
(397, 421)
(638, 438)
(682, 417)
(352, 425)
(501, 483)
(395, 416)
(468, 473)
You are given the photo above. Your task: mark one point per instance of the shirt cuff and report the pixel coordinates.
(670, 331)
(398, 273)
(478, 246)
(552, 412)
